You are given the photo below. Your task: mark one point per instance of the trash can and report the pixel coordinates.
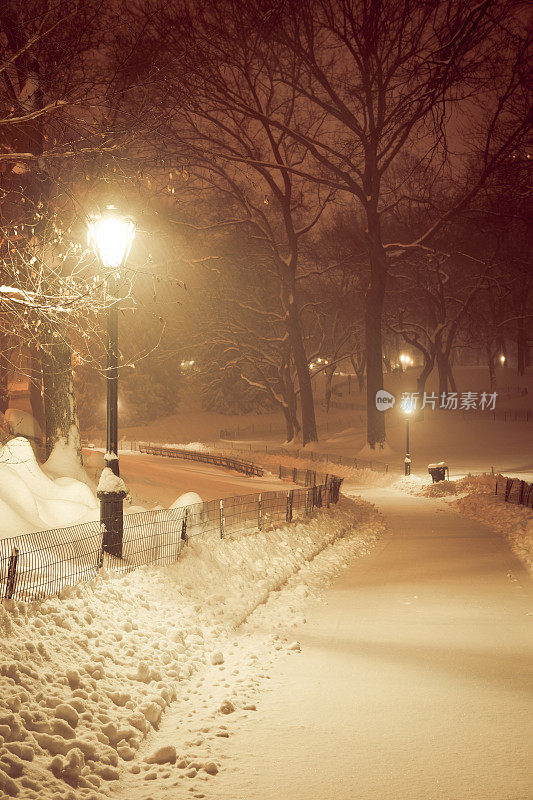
(439, 472)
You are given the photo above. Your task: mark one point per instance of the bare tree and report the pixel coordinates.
(377, 79)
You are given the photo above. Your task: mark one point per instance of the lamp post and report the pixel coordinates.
(407, 407)
(111, 236)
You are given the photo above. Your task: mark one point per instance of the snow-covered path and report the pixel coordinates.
(414, 681)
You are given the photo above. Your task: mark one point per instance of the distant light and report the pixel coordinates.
(404, 358)
(111, 235)
(502, 359)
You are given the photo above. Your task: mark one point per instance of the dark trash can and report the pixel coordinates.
(439, 472)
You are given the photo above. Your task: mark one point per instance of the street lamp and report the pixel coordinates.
(502, 359)
(111, 236)
(404, 360)
(407, 407)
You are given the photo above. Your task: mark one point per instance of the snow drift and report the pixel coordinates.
(30, 500)
(85, 678)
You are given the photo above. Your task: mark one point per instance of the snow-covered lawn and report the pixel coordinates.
(85, 678)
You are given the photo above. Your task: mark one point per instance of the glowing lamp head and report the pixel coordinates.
(407, 406)
(111, 236)
(502, 359)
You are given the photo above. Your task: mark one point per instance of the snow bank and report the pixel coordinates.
(474, 496)
(21, 423)
(63, 462)
(195, 446)
(512, 521)
(85, 678)
(30, 500)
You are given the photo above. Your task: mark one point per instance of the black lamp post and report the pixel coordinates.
(407, 408)
(111, 237)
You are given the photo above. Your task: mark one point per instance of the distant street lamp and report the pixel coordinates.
(502, 359)
(404, 360)
(407, 407)
(111, 236)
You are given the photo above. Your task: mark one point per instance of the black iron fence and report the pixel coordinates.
(40, 564)
(206, 458)
(312, 455)
(513, 490)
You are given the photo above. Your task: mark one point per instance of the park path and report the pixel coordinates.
(414, 681)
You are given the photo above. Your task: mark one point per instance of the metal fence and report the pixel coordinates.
(206, 458)
(514, 490)
(312, 455)
(40, 564)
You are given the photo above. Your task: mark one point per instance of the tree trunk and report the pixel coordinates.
(36, 393)
(521, 348)
(291, 402)
(444, 372)
(421, 381)
(491, 366)
(4, 378)
(289, 426)
(373, 336)
(329, 381)
(59, 399)
(451, 379)
(309, 431)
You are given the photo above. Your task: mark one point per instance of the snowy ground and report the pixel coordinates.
(201, 679)
(153, 480)
(86, 678)
(413, 681)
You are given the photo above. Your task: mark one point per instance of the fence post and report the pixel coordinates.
(294, 474)
(288, 513)
(521, 496)
(280, 471)
(184, 537)
(259, 511)
(12, 573)
(508, 487)
(222, 521)
(327, 491)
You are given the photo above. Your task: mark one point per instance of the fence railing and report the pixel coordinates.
(40, 564)
(206, 458)
(514, 490)
(312, 455)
